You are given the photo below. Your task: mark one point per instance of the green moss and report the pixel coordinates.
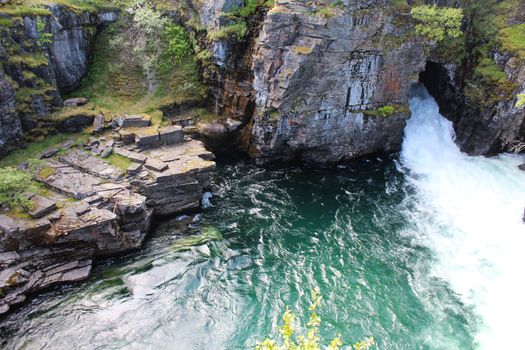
(34, 149)
(490, 72)
(28, 75)
(24, 10)
(513, 39)
(117, 88)
(32, 60)
(5, 22)
(236, 30)
(386, 111)
(45, 172)
(119, 161)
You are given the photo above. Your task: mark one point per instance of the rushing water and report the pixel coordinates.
(422, 251)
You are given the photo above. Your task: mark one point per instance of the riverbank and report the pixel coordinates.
(98, 199)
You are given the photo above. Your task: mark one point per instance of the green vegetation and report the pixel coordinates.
(513, 39)
(437, 23)
(179, 46)
(239, 16)
(521, 101)
(142, 64)
(236, 30)
(39, 7)
(329, 10)
(386, 111)
(119, 161)
(34, 149)
(31, 60)
(486, 23)
(14, 184)
(310, 341)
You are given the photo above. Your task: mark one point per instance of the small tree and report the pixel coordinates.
(14, 184)
(437, 23)
(311, 341)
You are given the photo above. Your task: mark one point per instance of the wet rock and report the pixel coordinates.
(76, 101)
(521, 167)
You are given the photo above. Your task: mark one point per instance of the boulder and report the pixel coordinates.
(76, 101)
(521, 167)
(98, 123)
(171, 135)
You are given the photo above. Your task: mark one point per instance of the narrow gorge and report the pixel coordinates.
(184, 174)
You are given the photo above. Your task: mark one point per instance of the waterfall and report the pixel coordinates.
(468, 211)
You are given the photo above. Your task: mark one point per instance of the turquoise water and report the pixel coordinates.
(402, 248)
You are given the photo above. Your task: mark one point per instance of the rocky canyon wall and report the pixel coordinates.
(42, 56)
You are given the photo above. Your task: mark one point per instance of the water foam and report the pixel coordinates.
(468, 210)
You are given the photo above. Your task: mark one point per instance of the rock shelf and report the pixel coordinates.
(94, 209)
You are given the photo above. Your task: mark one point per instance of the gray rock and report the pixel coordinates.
(98, 123)
(76, 101)
(171, 135)
(106, 152)
(134, 169)
(137, 157)
(147, 140)
(521, 167)
(48, 153)
(156, 165)
(41, 206)
(133, 121)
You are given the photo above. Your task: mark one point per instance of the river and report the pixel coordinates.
(421, 250)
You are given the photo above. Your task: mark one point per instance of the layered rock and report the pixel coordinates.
(93, 209)
(45, 56)
(321, 81)
(10, 125)
(480, 130)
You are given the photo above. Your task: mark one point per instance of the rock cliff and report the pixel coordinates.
(43, 56)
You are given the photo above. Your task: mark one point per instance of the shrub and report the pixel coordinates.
(14, 184)
(179, 45)
(437, 23)
(312, 340)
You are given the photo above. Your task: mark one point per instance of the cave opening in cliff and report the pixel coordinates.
(439, 81)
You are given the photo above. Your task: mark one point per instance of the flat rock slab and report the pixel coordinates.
(156, 165)
(133, 121)
(171, 135)
(71, 181)
(134, 169)
(137, 157)
(92, 165)
(41, 207)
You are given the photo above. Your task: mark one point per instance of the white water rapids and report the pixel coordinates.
(468, 211)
